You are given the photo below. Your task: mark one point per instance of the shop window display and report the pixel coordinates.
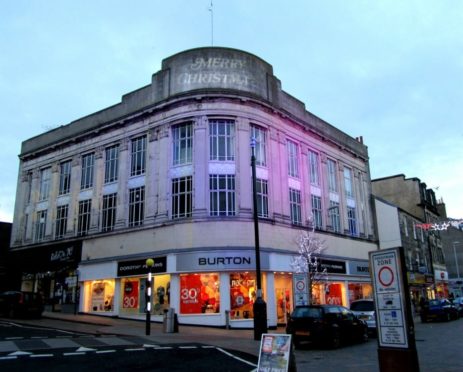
(199, 293)
(102, 296)
(359, 291)
(134, 295)
(242, 295)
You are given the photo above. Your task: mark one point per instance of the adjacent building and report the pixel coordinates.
(411, 209)
(165, 174)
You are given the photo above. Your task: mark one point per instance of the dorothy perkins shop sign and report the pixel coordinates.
(138, 267)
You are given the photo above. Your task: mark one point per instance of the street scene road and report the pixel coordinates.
(110, 344)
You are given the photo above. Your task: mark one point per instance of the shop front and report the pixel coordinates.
(52, 271)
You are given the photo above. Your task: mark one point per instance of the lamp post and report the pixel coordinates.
(456, 261)
(259, 306)
(149, 265)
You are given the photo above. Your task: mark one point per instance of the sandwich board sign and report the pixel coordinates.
(275, 353)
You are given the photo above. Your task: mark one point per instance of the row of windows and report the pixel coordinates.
(222, 148)
(222, 203)
(221, 187)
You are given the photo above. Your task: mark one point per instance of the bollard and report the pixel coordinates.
(227, 319)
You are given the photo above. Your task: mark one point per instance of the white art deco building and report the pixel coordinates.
(165, 174)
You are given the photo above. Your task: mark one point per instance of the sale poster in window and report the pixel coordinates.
(334, 294)
(131, 294)
(242, 295)
(199, 293)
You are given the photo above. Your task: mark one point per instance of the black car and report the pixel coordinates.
(328, 325)
(21, 304)
(438, 309)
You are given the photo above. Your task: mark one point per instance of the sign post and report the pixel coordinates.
(396, 335)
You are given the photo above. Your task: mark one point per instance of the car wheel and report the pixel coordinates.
(423, 319)
(448, 318)
(335, 341)
(11, 313)
(365, 335)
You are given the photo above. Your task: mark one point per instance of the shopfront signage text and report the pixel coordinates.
(62, 255)
(224, 260)
(230, 260)
(138, 267)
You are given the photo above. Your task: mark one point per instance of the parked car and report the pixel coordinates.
(365, 310)
(328, 325)
(21, 304)
(439, 309)
(458, 302)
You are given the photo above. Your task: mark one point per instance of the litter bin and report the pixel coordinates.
(168, 321)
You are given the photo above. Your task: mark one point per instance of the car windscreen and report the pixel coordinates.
(307, 312)
(363, 306)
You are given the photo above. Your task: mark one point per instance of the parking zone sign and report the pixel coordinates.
(389, 298)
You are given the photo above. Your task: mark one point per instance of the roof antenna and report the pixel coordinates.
(211, 9)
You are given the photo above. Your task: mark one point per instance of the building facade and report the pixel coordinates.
(165, 174)
(417, 214)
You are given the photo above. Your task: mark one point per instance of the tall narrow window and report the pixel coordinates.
(108, 213)
(348, 182)
(222, 140)
(83, 218)
(182, 192)
(45, 180)
(262, 198)
(334, 215)
(352, 221)
(258, 134)
(317, 211)
(29, 187)
(295, 206)
(61, 221)
(136, 206)
(40, 225)
(314, 164)
(86, 180)
(293, 169)
(332, 176)
(138, 156)
(65, 178)
(111, 163)
(182, 143)
(222, 195)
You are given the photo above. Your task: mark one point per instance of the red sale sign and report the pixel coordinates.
(130, 298)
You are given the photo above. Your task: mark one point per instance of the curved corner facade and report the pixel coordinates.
(165, 174)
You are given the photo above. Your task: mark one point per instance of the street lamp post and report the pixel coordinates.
(149, 265)
(259, 306)
(456, 260)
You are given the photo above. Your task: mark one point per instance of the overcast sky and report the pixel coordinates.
(390, 71)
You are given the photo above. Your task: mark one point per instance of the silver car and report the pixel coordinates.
(365, 310)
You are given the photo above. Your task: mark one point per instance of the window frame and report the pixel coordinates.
(222, 200)
(108, 212)
(293, 164)
(295, 206)
(111, 164)
(182, 197)
(138, 156)
(332, 175)
(136, 207)
(258, 133)
(317, 211)
(61, 222)
(182, 144)
(45, 183)
(314, 167)
(87, 171)
(40, 225)
(352, 221)
(84, 216)
(222, 140)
